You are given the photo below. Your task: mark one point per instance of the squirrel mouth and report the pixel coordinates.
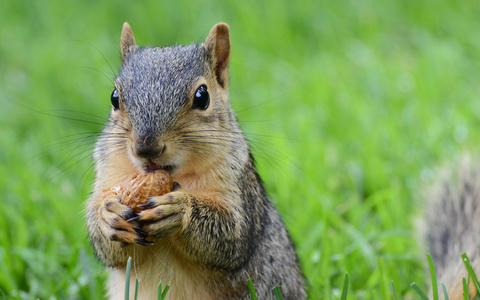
(151, 167)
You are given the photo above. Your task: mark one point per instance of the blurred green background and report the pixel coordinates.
(350, 107)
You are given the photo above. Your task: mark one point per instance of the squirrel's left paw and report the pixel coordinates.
(165, 214)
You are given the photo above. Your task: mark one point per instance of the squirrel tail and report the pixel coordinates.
(453, 226)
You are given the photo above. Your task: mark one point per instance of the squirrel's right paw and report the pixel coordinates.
(118, 223)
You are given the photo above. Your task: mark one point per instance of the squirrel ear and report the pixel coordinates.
(127, 41)
(218, 44)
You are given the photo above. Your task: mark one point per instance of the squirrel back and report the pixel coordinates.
(453, 224)
(217, 227)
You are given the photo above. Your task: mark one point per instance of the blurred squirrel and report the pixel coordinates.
(217, 228)
(453, 227)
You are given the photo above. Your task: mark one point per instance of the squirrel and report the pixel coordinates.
(452, 223)
(217, 228)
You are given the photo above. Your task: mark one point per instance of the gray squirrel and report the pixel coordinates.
(217, 228)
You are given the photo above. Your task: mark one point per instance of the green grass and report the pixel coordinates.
(349, 105)
(433, 275)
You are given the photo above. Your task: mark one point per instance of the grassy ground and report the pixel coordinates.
(350, 106)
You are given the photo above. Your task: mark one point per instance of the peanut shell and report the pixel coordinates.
(116, 190)
(146, 185)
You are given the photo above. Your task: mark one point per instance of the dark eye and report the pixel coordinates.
(114, 99)
(201, 100)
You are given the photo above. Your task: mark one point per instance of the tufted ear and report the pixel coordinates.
(127, 41)
(218, 45)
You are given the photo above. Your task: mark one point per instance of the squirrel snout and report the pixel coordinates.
(148, 147)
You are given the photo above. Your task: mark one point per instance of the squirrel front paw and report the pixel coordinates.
(166, 214)
(117, 223)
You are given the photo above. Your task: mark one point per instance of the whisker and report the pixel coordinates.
(202, 138)
(205, 142)
(61, 117)
(92, 116)
(66, 163)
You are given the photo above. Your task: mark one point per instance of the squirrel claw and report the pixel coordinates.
(147, 204)
(130, 215)
(133, 219)
(140, 232)
(143, 242)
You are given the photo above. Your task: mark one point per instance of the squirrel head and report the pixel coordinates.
(170, 104)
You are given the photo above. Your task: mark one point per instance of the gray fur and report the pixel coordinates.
(453, 224)
(154, 82)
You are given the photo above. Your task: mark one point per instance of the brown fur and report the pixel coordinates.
(218, 228)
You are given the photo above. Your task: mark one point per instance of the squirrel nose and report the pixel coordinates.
(148, 147)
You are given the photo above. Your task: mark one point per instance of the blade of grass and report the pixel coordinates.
(161, 294)
(434, 277)
(277, 293)
(345, 288)
(127, 278)
(444, 288)
(393, 291)
(159, 291)
(465, 288)
(470, 270)
(251, 289)
(164, 293)
(419, 291)
(136, 288)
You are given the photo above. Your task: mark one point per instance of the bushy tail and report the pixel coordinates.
(453, 226)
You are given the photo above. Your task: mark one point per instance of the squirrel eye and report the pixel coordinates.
(201, 100)
(114, 99)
